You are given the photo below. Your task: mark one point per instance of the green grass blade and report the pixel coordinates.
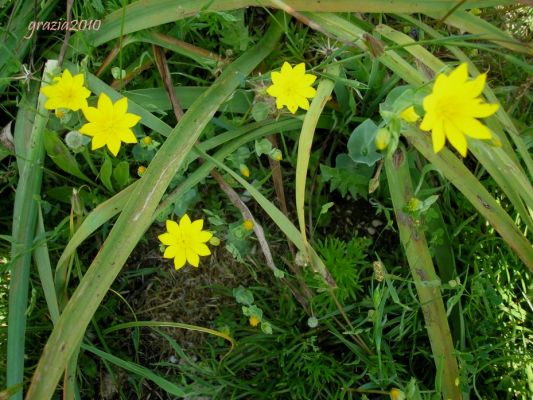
(136, 217)
(423, 272)
(199, 55)
(30, 161)
(325, 87)
(470, 23)
(239, 103)
(143, 15)
(42, 261)
(139, 370)
(157, 324)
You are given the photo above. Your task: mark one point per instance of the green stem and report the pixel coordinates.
(423, 272)
(30, 162)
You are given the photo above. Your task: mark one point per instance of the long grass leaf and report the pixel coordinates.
(423, 272)
(24, 223)
(325, 87)
(138, 370)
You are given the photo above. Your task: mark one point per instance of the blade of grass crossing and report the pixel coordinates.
(423, 272)
(325, 87)
(24, 223)
(136, 217)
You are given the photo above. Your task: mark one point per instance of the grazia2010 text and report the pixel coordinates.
(73, 25)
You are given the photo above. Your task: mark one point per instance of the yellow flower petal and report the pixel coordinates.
(185, 223)
(197, 225)
(303, 103)
(299, 69)
(201, 249)
(475, 87)
(409, 114)
(113, 144)
(129, 120)
(172, 227)
(276, 77)
(97, 142)
(482, 110)
(104, 102)
(475, 129)
(204, 236)
(438, 136)
(180, 260)
(193, 258)
(121, 106)
(170, 251)
(167, 239)
(293, 107)
(286, 68)
(456, 137)
(126, 135)
(459, 75)
(308, 79)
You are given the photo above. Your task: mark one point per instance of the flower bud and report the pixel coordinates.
(382, 139)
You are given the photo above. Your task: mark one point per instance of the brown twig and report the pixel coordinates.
(109, 59)
(162, 66)
(64, 46)
(277, 178)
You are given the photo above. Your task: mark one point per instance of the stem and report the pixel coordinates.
(423, 272)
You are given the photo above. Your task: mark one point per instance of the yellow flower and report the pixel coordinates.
(141, 170)
(147, 140)
(453, 107)
(248, 224)
(396, 394)
(185, 241)
(109, 124)
(254, 321)
(410, 115)
(245, 171)
(292, 87)
(67, 92)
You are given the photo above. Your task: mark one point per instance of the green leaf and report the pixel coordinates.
(121, 173)
(266, 328)
(260, 111)
(243, 296)
(263, 146)
(105, 174)
(3, 152)
(61, 155)
(361, 145)
(347, 176)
